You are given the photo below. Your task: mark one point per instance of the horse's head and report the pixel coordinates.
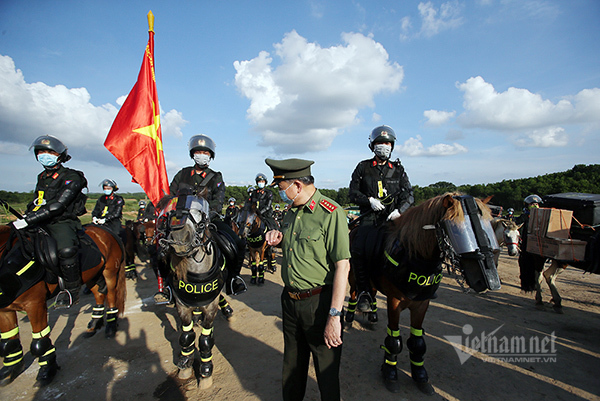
(248, 222)
(458, 227)
(183, 222)
(148, 228)
(511, 236)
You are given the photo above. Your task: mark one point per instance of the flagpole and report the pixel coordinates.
(150, 21)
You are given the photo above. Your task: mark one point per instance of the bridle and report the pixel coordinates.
(177, 220)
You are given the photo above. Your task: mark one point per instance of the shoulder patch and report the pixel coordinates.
(330, 207)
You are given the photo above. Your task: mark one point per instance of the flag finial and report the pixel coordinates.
(150, 21)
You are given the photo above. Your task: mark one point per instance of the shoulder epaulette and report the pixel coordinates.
(330, 207)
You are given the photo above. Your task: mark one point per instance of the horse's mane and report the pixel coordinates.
(414, 230)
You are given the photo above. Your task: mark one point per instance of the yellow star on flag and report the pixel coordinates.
(152, 132)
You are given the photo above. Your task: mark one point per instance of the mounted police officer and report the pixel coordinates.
(232, 211)
(278, 214)
(382, 191)
(58, 203)
(109, 207)
(200, 178)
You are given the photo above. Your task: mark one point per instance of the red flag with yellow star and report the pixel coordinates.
(135, 137)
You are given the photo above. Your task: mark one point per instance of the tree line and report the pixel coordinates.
(506, 193)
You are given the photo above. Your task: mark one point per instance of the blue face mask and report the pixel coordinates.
(284, 197)
(107, 192)
(261, 185)
(47, 159)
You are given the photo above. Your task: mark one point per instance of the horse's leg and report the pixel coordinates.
(41, 344)
(253, 266)
(539, 302)
(10, 348)
(207, 341)
(392, 346)
(417, 347)
(187, 341)
(261, 265)
(351, 308)
(550, 275)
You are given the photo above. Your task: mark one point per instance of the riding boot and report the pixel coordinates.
(363, 287)
(226, 309)
(235, 283)
(69, 267)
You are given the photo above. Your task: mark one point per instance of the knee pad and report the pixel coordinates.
(206, 342)
(416, 345)
(187, 338)
(10, 347)
(67, 253)
(39, 346)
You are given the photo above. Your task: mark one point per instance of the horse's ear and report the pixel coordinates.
(488, 199)
(519, 226)
(448, 201)
(504, 223)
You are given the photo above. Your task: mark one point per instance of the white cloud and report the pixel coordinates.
(375, 117)
(414, 147)
(437, 117)
(543, 138)
(433, 20)
(306, 100)
(518, 109)
(171, 123)
(28, 110)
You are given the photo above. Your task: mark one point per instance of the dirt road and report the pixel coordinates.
(138, 364)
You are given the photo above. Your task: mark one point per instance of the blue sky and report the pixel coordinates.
(476, 91)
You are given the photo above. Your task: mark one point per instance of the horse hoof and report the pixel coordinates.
(8, 374)
(349, 317)
(185, 374)
(205, 383)
(111, 330)
(46, 375)
(390, 378)
(373, 317)
(206, 369)
(426, 388)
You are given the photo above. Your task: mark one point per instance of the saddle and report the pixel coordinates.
(34, 257)
(416, 278)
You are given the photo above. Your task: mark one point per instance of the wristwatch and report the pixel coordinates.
(334, 312)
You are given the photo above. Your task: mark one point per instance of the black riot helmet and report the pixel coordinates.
(109, 183)
(383, 133)
(260, 177)
(533, 199)
(202, 142)
(48, 142)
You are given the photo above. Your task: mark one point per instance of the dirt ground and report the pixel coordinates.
(138, 363)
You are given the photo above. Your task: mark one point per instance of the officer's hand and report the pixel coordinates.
(101, 221)
(394, 215)
(273, 237)
(95, 220)
(376, 204)
(19, 224)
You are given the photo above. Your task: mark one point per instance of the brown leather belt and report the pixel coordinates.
(299, 295)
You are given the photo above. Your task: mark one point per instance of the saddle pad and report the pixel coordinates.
(17, 275)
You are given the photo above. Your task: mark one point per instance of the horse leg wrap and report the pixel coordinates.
(197, 315)
(350, 310)
(12, 352)
(97, 317)
(225, 307)
(42, 348)
(206, 342)
(417, 348)
(392, 347)
(186, 341)
(111, 322)
(373, 318)
(261, 272)
(254, 270)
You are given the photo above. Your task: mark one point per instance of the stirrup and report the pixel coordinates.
(241, 283)
(364, 302)
(163, 297)
(63, 300)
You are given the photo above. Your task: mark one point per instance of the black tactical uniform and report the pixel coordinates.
(110, 208)
(58, 203)
(381, 182)
(231, 213)
(147, 212)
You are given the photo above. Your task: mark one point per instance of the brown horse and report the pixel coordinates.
(33, 302)
(253, 230)
(405, 258)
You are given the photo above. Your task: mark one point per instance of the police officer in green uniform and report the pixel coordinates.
(108, 210)
(56, 208)
(203, 181)
(315, 266)
(382, 190)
